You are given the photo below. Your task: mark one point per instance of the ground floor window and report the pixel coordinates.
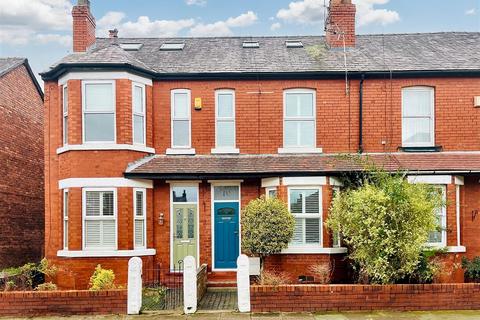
(65, 219)
(271, 192)
(99, 218)
(305, 205)
(140, 213)
(439, 237)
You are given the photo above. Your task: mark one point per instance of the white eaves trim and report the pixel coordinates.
(180, 151)
(104, 146)
(270, 182)
(103, 76)
(431, 179)
(105, 253)
(304, 181)
(300, 150)
(104, 182)
(313, 250)
(225, 151)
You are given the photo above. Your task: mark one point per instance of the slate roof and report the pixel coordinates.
(373, 53)
(268, 165)
(8, 64)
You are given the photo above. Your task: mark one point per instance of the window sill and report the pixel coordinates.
(313, 250)
(300, 150)
(180, 151)
(105, 253)
(104, 146)
(449, 249)
(420, 149)
(225, 151)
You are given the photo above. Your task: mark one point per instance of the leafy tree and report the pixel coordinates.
(385, 222)
(267, 227)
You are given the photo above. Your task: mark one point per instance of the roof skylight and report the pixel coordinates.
(131, 46)
(251, 44)
(294, 44)
(168, 46)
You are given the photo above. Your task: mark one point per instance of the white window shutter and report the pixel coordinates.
(92, 233)
(109, 234)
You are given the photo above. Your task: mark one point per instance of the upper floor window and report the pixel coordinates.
(99, 215)
(418, 117)
(138, 107)
(299, 119)
(305, 205)
(225, 119)
(98, 111)
(140, 213)
(181, 118)
(65, 115)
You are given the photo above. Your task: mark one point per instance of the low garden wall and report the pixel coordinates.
(294, 298)
(39, 303)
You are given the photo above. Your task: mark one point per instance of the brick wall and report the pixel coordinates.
(297, 298)
(21, 170)
(43, 303)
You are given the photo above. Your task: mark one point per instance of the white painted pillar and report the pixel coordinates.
(189, 285)
(134, 302)
(243, 283)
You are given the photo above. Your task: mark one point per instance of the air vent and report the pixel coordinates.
(172, 46)
(251, 44)
(293, 44)
(131, 46)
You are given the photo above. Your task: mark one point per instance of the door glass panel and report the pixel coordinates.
(191, 224)
(226, 193)
(179, 223)
(226, 212)
(184, 194)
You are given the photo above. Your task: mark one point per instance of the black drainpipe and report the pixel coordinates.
(360, 117)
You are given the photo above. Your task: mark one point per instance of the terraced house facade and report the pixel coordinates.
(154, 146)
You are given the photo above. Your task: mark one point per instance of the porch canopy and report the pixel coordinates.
(272, 165)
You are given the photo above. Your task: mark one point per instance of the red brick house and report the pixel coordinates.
(154, 145)
(21, 156)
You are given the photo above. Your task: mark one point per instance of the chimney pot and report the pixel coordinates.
(113, 33)
(83, 3)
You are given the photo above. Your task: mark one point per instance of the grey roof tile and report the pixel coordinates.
(8, 64)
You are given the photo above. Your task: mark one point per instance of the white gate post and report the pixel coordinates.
(243, 283)
(189, 285)
(134, 302)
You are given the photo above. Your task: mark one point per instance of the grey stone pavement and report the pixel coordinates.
(379, 315)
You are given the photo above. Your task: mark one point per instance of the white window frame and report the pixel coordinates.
(65, 218)
(65, 115)
(223, 149)
(268, 190)
(172, 119)
(431, 90)
(338, 243)
(84, 217)
(142, 218)
(303, 248)
(144, 114)
(443, 213)
(87, 82)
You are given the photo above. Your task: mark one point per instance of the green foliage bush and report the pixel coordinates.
(47, 286)
(102, 279)
(385, 223)
(472, 269)
(29, 275)
(267, 227)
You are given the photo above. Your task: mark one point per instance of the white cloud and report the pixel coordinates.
(223, 28)
(471, 12)
(22, 21)
(196, 2)
(143, 27)
(275, 26)
(313, 11)
(63, 40)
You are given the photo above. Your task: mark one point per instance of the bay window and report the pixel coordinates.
(98, 111)
(181, 118)
(140, 212)
(65, 219)
(418, 117)
(299, 119)
(138, 108)
(305, 205)
(225, 119)
(65, 115)
(99, 218)
(439, 237)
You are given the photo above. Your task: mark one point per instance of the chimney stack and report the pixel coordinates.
(340, 23)
(83, 26)
(113, 33)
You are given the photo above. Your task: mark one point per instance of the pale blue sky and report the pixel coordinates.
(41, 29)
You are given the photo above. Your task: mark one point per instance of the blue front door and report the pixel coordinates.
(226, 235)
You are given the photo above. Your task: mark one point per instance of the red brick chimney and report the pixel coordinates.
(83, 26)
(340, 23)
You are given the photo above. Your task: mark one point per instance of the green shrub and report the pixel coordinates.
(472, 268)
(385, 222)
(47, 286)
(29, 275)
(102, 279)
(267, 227)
